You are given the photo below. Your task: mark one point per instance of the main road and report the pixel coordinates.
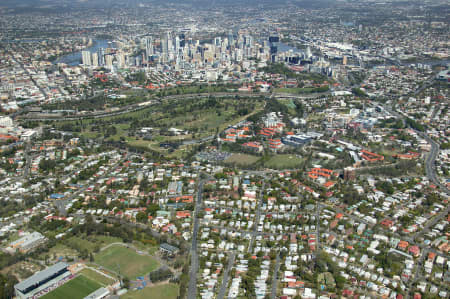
(431, 158)
(257, 217)
(192, 288)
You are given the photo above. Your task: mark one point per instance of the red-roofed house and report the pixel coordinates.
(403, 245)
(255, 146)
(414, 250)
(183, 214)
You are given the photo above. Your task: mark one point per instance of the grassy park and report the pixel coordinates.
(90, 243)
(166, 291)
(284, 162)
(201, 117)
(242, 159)
(121, 259)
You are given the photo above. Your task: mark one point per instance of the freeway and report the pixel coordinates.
(192, 288)
(140, 106)
(101, 114)
(137, 107)
(301, 96)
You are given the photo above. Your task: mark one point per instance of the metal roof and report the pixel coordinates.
(168, 247)
(40, 276)
(100, 293)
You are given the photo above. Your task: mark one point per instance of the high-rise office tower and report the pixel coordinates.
(164, 46)
(248, 40)
(120, 56)
(169, 41)
(182, 40)
(274, 41)
(308, 53)
(149, 51)
(177, 44)
(230, 38)
(109, 61)
(217, 41)
(86, 58)
(101, 56)
(95, 59)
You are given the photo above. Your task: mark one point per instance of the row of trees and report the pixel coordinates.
(160, 274)
(7, 283)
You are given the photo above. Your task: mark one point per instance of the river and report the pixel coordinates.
(282, 47)
(74, 59)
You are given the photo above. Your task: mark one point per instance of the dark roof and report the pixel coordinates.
(40, 276)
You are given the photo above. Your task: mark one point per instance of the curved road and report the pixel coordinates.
(429, 163)
(430, 159)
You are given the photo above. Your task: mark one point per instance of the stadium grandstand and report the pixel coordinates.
(36, 285)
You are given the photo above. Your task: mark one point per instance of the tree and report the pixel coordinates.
(7, 286)
(47, 165)
(112, 130)
(142, 217)
(385, 187)
(126, 282)
(152, 209)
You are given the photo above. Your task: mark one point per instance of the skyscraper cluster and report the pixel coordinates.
(104, 58)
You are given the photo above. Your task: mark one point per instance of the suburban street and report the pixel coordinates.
(273, 291)
(226, 274)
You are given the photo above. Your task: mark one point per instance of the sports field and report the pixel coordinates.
(77, 288)
(284, 162)
(126, 261)
(242, 159)
(98, 277)
(166, 291)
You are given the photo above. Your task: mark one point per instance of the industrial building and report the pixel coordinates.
(26, 243)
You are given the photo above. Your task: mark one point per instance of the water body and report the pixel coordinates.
(74, 59)
(282, 47)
